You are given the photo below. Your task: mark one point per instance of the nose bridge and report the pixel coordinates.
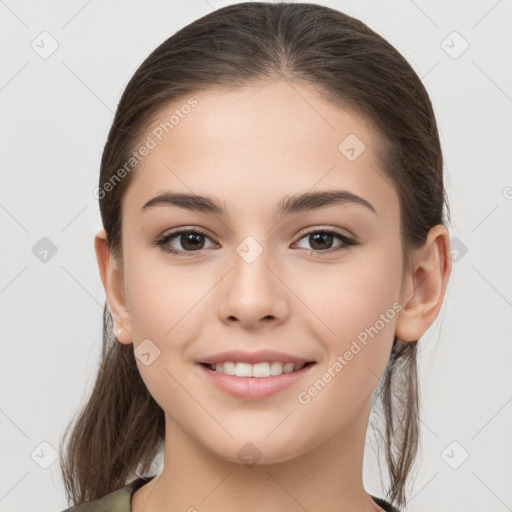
(251, 276)
(252, 291)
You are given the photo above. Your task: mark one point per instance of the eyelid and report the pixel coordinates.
(181, 229)
(320, 227)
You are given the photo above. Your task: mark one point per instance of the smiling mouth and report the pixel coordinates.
(258, 370)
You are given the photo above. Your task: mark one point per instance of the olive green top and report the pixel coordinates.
(121, 500)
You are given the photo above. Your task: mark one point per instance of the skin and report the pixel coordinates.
(250, 148)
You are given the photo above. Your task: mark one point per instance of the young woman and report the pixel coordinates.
(274, 247)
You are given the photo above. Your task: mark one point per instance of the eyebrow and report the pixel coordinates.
(289, 205)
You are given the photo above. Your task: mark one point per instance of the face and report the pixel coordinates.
(317, 280)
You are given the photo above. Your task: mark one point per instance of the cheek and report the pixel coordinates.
(355, 302)
(167, 310)
(169, 306)
(359, 305)
(164, 300)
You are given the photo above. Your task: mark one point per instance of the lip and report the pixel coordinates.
(260, 356)
(254, 388)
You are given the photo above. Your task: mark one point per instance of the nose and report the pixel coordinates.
(253, 293)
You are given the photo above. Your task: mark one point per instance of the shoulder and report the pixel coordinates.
(116, 501)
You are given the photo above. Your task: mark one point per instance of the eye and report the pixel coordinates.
(321, 240)
(191, 240)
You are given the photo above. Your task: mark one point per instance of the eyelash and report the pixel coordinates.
(162, 242)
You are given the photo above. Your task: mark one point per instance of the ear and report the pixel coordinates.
(425, 285)
(112, 278)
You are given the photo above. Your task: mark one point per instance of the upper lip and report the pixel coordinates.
(259, 356)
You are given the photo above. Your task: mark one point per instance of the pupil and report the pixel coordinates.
(320, 237)
(192, 238)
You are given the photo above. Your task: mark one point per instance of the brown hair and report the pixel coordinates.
(121, 427)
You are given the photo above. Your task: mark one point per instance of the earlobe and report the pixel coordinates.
(112, 279)
(425, 285)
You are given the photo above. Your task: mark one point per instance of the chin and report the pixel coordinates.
(258, 451)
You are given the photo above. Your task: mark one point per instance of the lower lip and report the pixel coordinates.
(254, 388)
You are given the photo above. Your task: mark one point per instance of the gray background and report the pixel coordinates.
(56, 112)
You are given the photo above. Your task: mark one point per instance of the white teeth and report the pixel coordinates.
(243, 370)
(276, 368)
(259, 370)
(288, 368)
(229, 368)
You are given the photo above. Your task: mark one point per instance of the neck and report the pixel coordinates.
(327, 478)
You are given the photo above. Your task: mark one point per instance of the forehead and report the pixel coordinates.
(253, 145)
